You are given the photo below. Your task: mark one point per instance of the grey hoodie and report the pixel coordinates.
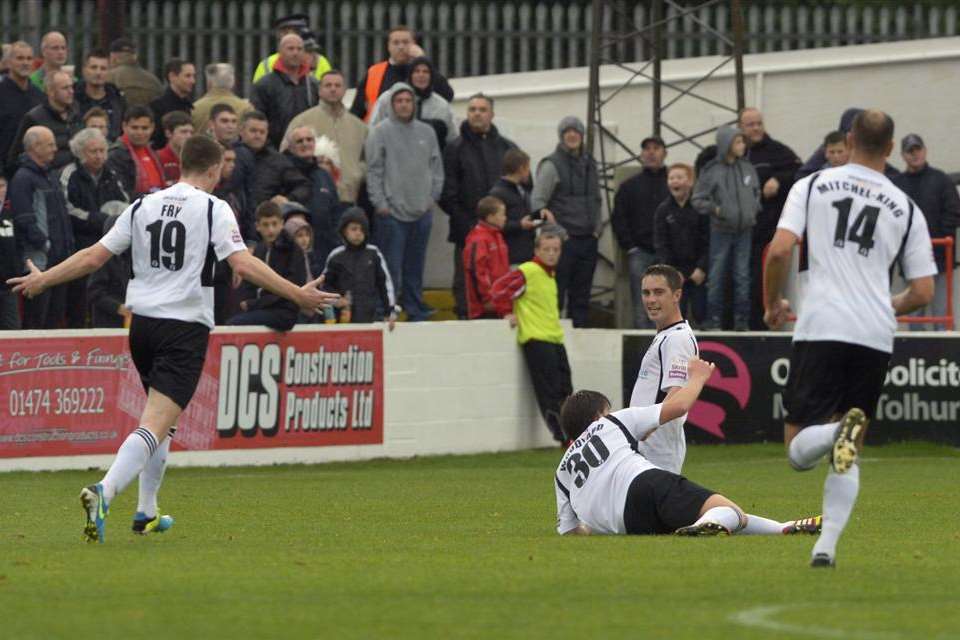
(404, 166)
(733, 187)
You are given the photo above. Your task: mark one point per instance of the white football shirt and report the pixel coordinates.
(855, 226)
(596, 471)
(175, 237)
(664, 366)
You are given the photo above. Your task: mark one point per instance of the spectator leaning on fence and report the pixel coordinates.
(358, 268)
(472, 165)
(132, 160)
(681, 238)
(634, 209)
(221, 79)
(281, 253)
(177, 127)
(513, 189)
(277, 179)
(775, 164)
(54, 54)
(139, 86)
(93, 193)
(41, 225)
(94, 91)
(728, 191)
(331, 119)
(251, 150)
(297, 24)
(936, 195)
(404, 181)
(57, 113)
(568, 185)
(486, 260)
(11, 264)
(287, 91)
(384, 74)
(17, 96)
(532, 289)
(181, 79)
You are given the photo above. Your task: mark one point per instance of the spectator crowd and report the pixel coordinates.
(319, 187)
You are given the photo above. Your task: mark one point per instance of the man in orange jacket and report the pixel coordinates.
(485, 259)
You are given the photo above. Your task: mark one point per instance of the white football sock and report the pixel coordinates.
(151, 477)
(131, 458)
(839, 496)
(760, 526)
(811, 444)
(726, 516)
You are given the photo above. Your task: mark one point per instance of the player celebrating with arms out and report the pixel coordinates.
(856, 226)
(663, 370)
(176, 236)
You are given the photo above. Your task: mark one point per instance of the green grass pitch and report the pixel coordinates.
(465, 547)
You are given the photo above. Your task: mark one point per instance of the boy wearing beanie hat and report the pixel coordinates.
(358, 268)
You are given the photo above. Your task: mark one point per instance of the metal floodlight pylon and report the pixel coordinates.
(608, 50)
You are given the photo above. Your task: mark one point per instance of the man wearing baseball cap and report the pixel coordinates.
(936, 195)
(295, 23)
(634, 209)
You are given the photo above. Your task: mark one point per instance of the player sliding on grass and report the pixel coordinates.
(604, 485)
(176, 237)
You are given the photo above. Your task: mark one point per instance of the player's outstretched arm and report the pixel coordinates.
(255, 270)
(918, 294)
(76, 266)
(779, 253)
(680, 403)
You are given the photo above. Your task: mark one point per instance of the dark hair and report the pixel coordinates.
(174, 65)
(514, 160)
(95, 112)
(835, 137)
(580, 410)
(170, 121)
(872, 132)
(136, 112)
(199, 154)
(488, 206)
(481, 96)
(268, 209)
(402, 27)
(221, 107)
(95, 53)
(673, 277)
(253, 115)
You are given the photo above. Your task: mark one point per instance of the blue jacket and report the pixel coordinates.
(41, 222)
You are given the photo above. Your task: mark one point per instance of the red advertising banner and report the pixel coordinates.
(62, 396)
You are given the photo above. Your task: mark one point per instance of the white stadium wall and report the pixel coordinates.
(449, 388)
(801, 93)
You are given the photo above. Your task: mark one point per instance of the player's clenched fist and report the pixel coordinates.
(699, 370)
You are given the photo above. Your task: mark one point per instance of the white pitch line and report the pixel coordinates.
(760, 618)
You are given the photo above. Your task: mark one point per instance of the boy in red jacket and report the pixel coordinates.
(485, 258)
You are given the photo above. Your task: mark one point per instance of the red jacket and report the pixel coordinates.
(170, 163)
(485, 259)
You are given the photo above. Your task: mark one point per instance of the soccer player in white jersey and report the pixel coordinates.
(605, 486)
(663, 370)
(176, 236)
(855, 226)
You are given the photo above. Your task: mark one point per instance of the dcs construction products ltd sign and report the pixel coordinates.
(743, 401)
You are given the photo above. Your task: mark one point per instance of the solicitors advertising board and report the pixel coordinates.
(743, 401)
(63, 396)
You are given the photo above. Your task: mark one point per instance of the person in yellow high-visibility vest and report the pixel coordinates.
(536, 313)
(296, 23)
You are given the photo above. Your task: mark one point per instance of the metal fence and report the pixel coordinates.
(466, 38)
